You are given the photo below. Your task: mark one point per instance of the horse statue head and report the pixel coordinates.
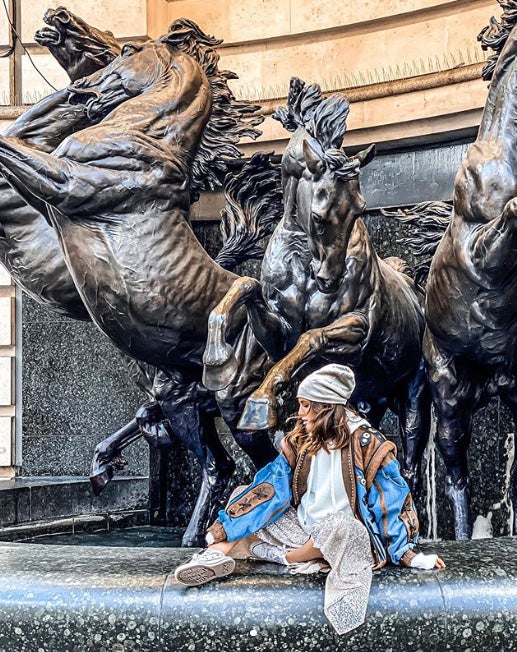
(140, 68)
(336, 203)
(152, 68)
(78, 47)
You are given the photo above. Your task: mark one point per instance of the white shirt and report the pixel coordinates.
(326, 493)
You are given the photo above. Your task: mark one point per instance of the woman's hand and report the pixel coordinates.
(427, 562)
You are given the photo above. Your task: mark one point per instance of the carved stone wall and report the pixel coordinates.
(411, 67)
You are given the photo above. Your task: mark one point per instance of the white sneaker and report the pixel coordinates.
(268, 552)
(309, 567)
(203, 567)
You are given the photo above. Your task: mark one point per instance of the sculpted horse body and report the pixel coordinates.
(29, 248)
(471, 294)
(118, 194)
(339, 301)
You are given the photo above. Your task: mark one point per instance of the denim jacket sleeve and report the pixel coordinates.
(391, 505)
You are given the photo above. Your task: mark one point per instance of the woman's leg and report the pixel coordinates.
(224, 546)
(307, 552)
(207, 565)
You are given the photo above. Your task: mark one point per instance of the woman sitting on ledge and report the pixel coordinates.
(351, 507)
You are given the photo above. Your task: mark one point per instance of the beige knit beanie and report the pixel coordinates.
(333, 383)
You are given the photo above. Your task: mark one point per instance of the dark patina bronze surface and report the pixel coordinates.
(471, 295)
(118, 194)
(324, 294)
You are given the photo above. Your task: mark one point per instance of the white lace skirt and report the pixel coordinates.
(345, 545)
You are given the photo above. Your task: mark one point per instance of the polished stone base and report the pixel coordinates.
(31, 500)
(64, 598)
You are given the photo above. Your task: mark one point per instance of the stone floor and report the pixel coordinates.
(66, 598)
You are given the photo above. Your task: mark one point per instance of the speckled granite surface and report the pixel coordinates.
(27, 500)
(61, 598)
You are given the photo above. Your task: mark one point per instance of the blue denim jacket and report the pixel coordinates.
(378, 494)
(388, 512)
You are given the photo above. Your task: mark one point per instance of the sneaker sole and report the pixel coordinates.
(201, 573)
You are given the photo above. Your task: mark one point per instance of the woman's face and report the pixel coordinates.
(306, 413)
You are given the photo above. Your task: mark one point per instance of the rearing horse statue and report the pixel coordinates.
(118, 194)
(470, 343)
(324, 294)
(29, 247)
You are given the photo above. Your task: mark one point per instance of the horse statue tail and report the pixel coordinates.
(253, 209)
(231, 119)
(496, 33)
(430, 219)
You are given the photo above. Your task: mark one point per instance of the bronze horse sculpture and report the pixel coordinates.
(331, 297)
(78, 47)
(135, 173)
(29, 248)
(471, 293)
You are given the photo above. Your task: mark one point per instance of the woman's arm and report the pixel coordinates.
(391, 503)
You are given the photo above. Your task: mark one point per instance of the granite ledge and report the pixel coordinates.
(77, 598)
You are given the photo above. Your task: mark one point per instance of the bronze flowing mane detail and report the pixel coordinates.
(428, 221)
(324, 119)
(230, 119)
(496, 33)
(253, 209)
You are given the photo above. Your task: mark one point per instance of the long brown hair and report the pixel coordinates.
(329, 431)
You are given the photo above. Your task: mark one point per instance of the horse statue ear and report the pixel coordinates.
(365, 155)
(315, 164)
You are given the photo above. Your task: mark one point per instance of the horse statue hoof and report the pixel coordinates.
(219, 373)
(100, 479)
(258, 414)
(102, 471)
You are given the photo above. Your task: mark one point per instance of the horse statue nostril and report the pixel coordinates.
(323, 282)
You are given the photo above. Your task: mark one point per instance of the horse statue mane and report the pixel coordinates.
(78, 47)
(324, 119)
(496, 33)
(428, 221)
(253, 209)
(231, 119)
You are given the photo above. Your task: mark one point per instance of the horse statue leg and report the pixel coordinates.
(252, 365)
(455, 397)
(342, 338)
(149, 423)
(415, 425)
(107, 457)
(191, 418)
(220, 364)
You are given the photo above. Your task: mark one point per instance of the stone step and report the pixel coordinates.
(64, 598)
(31, 499)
